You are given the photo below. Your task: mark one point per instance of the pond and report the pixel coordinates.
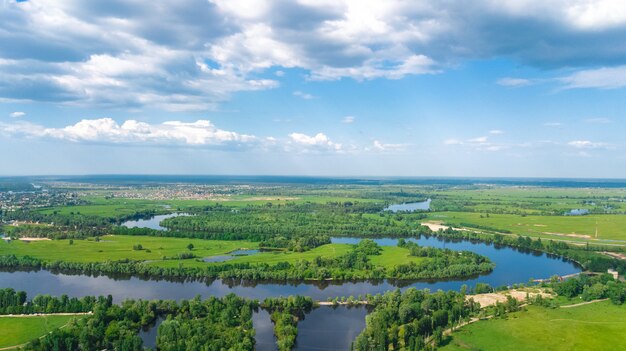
(409, 206)
(149, 333)
(330, 328)
(577, 212)
(152, 222)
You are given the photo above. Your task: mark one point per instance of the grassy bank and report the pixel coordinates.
(19, 330)
(596, 326)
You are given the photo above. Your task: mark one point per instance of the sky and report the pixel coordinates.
(517, 88)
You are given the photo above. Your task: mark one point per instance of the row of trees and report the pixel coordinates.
(410, 320)
(285, 314)
(211, 324)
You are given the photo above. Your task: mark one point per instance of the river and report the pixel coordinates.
(323, 328)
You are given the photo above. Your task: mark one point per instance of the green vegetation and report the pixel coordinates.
(120, 247)
(572, 228)
(215, 323)
(15, 331)
(595, 326)
(410, 320)
(285, 314)
(171, 257)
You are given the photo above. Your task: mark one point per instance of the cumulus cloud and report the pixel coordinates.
(318, 142)
(17, 114)
(106, 130)
(194, 54)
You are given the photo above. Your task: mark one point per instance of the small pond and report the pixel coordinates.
(577, 212)
(152, 222)
(409, 206)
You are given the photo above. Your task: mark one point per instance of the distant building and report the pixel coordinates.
(614, 273)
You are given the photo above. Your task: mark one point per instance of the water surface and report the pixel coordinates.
(330, 328)
(152, 222)
(409, 206)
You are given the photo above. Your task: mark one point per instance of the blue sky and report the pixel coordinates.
(518, 88)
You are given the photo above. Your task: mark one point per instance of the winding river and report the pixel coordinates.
(325, 327)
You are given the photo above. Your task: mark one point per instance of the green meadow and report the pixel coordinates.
(597, 326)
(119, 247)
(582, 228)
(16, 331)
(389, 257)
(116, 207)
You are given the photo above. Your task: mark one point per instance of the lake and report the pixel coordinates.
(152, 222)
(409, 206)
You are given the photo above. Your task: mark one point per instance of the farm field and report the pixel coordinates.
(15, 331)
(596, 326)
(119, 247)
(581, 228)
(529, 200)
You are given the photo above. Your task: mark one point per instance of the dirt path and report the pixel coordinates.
(583, 303)
(39, 315)
(44, 315)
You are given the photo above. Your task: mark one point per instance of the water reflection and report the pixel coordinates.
(409, 206)
(152, 222)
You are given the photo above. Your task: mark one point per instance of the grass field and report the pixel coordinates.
(390, 256)
(118, 247)
(598, 326)
(19, 330)
(581, 228)
(101, 206)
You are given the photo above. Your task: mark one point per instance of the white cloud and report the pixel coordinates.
(317, 142)
(586, 144)
(17, 114)
(553, 124)
(106, 130)
(515, 82)
(496, 132)
(481, 143)
(452, 142)
(382, 147)
(478, 140)
(599, 120)
(348, 119)
(194, 54)
(303, 95)
(601, 78)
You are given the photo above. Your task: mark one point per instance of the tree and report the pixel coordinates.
(190, 247)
